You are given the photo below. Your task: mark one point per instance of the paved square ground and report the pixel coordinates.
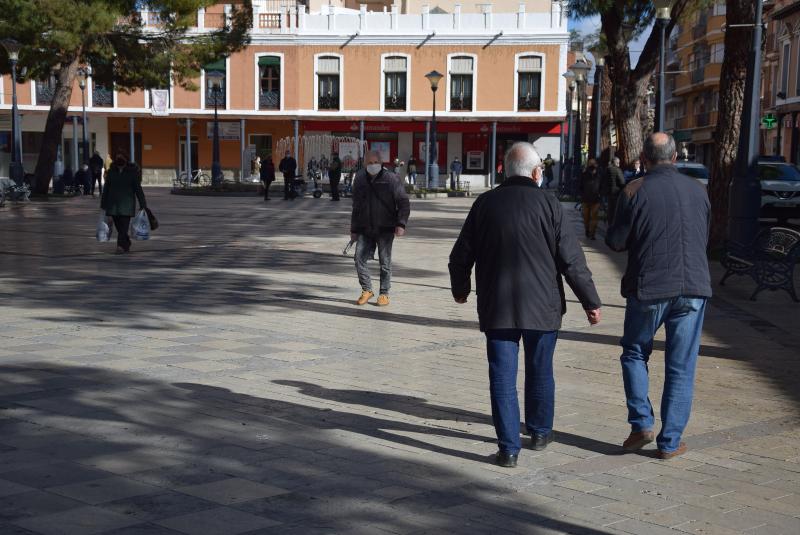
(218, 379)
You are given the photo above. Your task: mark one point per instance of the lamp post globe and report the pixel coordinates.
(16, 170)
(434, 77)
(215, 78)
(82, 74)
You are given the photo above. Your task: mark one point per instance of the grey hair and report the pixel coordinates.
(521, 160)
(659, 148)
(616, 161)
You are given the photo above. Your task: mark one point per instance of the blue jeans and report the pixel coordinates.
(502, 348)
(682, 318)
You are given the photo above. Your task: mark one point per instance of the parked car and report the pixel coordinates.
(780, 190)
(780, 186)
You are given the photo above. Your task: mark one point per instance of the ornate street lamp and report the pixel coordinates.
(15, 171)
(82, 74)
(598, 120)
(566, 164)
(580, 68)
(663, 14)
(216, 77)
(433, 151)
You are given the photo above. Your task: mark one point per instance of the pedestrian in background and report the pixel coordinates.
(520, 240)
(412, 170)
(119, 196)
(267, 175)
(613, 184)
(335, 174)
(590, 197)
(380, 212)
(96, 169)
(635, 171)
(455, 173)
(548, 170)
(662, 220)
(287, 166)
(83, 179)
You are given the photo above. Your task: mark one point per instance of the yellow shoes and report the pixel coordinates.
(383, 300)
(365, 296)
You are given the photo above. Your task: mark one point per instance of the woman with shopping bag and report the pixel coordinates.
(119, 199)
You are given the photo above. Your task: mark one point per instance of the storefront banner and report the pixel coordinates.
(348, 153)
(228, 131)
(159, 101)
(383, 148)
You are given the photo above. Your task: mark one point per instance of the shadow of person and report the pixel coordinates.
(330, 419)
(410, 405)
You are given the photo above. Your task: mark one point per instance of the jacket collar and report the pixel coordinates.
(519, 181)
(661, 169)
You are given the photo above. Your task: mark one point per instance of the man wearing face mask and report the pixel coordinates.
(521, 242)
(380, 212)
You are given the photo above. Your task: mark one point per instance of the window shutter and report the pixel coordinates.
(530, 63)
(328, 65)
(218, 65)
(461, 65)
(266, 61)
(396, 64)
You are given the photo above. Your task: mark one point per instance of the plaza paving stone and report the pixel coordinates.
(218, 379)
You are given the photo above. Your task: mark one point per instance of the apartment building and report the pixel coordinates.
(348, 69)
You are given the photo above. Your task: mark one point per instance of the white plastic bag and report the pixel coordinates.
(140, 226)
(103, 232)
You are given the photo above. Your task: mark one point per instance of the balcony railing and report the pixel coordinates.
(698, 74)
(102, 97)
(269, 100)
(528, 103)
(215, 97)
(44, 93)
(269, 20)
(328, 102)
(461, 103)
(394, 103)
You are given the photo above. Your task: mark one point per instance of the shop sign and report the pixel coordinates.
(228, 130)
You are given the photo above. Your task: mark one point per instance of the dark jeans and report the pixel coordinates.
(123, 222)
(335, 188)
(266, 189)
(502, 348)
(365, 247)
(96, 177)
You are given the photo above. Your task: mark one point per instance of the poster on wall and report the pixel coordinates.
(228, 130)
(348, 153)
(159, 101)
(423, 151)
(384, 148)
(475, 159)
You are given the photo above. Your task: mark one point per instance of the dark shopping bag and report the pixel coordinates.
(151, 219)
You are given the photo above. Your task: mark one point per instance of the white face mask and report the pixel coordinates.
(374, 168)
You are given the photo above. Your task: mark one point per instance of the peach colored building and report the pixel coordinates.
(338, 71)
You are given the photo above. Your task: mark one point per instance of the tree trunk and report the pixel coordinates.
(605, 117)
(628, 111)
(729, 117)
(55, 124)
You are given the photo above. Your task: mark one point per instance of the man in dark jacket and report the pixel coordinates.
(267, 175)
(335, 175)
(615, 181)
(288, 167)
(662, 220)
(96, 168)
(380, 212)
(590, 197)
(521, 242)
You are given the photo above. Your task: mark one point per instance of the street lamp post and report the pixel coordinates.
(16, 170)
(663, 13)
(82, 73)
(745, 189)
(566, 165)
(215, 77)
(580, 68)
(598, 106)
(433, 150)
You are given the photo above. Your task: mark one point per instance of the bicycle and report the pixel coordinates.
(197, 177)
(15, 194)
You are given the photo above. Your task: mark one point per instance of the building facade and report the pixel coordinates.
(336, 71)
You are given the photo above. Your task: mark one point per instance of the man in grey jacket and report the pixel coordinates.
(521, 242)
(380, 212)
(662, 220)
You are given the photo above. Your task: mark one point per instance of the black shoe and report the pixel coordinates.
(540, 442)
(506, 460)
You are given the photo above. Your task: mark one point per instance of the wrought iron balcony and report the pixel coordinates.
(461, 103)
(395, 102)
(698, 74)
(529, 103)
(102, 97)
(44, 93)
(328, 102)
(215, 97)
(269, 100)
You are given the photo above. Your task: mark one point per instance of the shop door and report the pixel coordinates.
(182, 150)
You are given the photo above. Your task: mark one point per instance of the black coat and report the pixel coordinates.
(521, 242)
(288, 167)
(380, 204)
(267, 172)
(590, 186)
(662, 220)
(615, 180)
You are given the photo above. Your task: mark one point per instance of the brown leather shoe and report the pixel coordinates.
(638, 440)
(383, 300)
(365, 296)
(670, 454)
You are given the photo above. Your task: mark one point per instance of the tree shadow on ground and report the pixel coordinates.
(66, 430)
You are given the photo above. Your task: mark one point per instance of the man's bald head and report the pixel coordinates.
(659, 148)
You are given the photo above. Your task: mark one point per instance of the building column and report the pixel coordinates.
(74, 144)
(187, 150)
(427, 154)
(297, 142)
(493, 170)
(361, 140)
(131, 125)
(242, 147)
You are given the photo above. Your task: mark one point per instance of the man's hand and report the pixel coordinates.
(353, 236)
(399, 231)
(460, 300)
(593, 316)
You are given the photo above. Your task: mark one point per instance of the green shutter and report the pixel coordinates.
(218, 65)
(266, 61)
